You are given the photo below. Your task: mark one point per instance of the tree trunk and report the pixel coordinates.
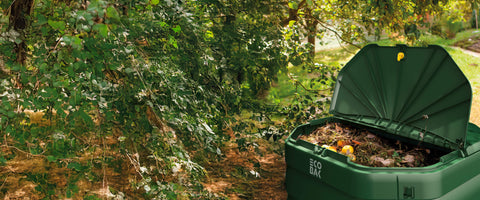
(476, 19)
(18, 20)
(311, 23)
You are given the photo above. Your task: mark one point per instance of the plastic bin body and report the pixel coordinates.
(316, 173)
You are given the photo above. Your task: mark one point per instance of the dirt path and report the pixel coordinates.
(472, 53)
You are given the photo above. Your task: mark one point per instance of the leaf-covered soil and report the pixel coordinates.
(254, 172)
(28, 176)
(369, 149)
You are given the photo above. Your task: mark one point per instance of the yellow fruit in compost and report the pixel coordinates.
(347, 149)
(332, 149)
(400, 56)
(341, 143)
(352, 157)
(329, 148)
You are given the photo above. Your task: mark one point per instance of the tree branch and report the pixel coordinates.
(292, 13)
(336, 33)
(296, 82)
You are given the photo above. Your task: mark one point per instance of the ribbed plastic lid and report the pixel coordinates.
(416, 92)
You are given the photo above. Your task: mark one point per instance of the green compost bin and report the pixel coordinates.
(410, 94)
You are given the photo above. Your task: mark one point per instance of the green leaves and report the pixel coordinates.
(93, 69)
(291, 23)
(102, 29)
(3, 161)
(209, 35)
(73, 41)
(293, 5)
(51, 158)
(172, 41)
(113, 14)
(75, 165)
(120, 69)
(41, 20)
(177, 29)
(155, 2)
(310, 2)
(58, 25)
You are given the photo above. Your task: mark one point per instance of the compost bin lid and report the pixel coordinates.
(416, 92)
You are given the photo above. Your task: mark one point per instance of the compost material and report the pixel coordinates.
(366, 148)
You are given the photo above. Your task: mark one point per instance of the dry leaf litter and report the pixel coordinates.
(369, 149)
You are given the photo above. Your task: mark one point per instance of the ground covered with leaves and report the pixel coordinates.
(369, 149)
(255, 172)
(25, 175)
(252, 171)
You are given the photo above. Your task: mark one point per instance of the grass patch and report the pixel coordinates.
(469, 64)
(433, 39)
(337, 57)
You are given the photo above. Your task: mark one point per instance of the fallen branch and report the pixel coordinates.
(22, 151)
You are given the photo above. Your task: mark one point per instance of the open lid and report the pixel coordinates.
(416, 92)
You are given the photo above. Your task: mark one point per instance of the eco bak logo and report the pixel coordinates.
(315, 168)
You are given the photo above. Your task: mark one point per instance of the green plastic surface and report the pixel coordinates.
(422, 96)
(316, 173)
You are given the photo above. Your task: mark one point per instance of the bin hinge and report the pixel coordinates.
(318, 150)
(409, 192)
